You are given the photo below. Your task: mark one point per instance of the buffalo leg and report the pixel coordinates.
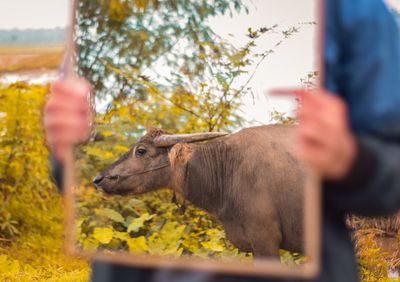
(267, 242)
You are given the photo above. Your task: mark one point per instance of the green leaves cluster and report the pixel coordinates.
(143, 35)
(150, 224)
(159, 63)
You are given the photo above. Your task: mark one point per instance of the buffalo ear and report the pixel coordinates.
(180, 154)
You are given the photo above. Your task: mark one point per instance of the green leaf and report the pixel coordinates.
(103, 234)
(221, 80)
(111, 214)
(139, 222)
(136, 203)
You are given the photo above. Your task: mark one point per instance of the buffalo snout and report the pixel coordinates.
(97, 180)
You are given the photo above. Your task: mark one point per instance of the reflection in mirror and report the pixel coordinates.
(186, 158)
(32, 40)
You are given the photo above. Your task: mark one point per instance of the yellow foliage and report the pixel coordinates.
(138, 222)
(137, 244)
(103, 234)
(30, 217)
(374, 263)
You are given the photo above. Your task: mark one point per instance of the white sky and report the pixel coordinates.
(291, 61)
(33, 13)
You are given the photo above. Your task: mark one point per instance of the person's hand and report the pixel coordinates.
(67, 115)
(324, 139)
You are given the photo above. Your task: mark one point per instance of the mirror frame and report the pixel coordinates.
(267, 267)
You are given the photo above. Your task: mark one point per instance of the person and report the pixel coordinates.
(349, 132)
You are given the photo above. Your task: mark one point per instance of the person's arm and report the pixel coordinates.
(363, 66)
(372, 186)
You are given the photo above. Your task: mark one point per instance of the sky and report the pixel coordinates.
(290, 62)
(33, 13)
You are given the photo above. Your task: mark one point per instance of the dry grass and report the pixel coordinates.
(18, 59)
(389, 225)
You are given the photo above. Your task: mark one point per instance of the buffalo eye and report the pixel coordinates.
(140, 152)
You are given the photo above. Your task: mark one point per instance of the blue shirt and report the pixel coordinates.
(362, 65)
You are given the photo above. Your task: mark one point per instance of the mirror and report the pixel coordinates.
(186, 165)
(32, 40)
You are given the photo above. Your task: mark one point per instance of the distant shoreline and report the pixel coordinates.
(31, 36)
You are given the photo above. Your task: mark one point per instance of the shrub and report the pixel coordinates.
(30, 209)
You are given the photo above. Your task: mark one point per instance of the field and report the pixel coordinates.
(28, 58)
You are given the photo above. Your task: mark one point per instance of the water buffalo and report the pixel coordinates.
(250, 181)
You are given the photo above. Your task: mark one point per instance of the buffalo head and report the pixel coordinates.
(150, 163)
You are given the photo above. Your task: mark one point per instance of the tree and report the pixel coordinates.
(141, 36)
(123, 44)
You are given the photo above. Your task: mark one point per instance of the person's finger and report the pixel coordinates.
(74, 88)
(322, 125)
(329, 115)
(310, 130)
(65, 117)
(65, 137)
(313, 154)
(322, 102)
(72, 125)
(78, 85)
(317, 131)
(331, 158)
(288, 92)
(316, 102)
(66, 107)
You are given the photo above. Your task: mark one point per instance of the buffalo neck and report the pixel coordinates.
(208, 175)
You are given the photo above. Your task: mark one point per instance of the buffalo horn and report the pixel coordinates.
(167, 140)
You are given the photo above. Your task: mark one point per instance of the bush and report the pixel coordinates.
(151, 224)
(30, 210)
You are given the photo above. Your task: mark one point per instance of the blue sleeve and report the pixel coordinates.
(57, 172)
(362, 53)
